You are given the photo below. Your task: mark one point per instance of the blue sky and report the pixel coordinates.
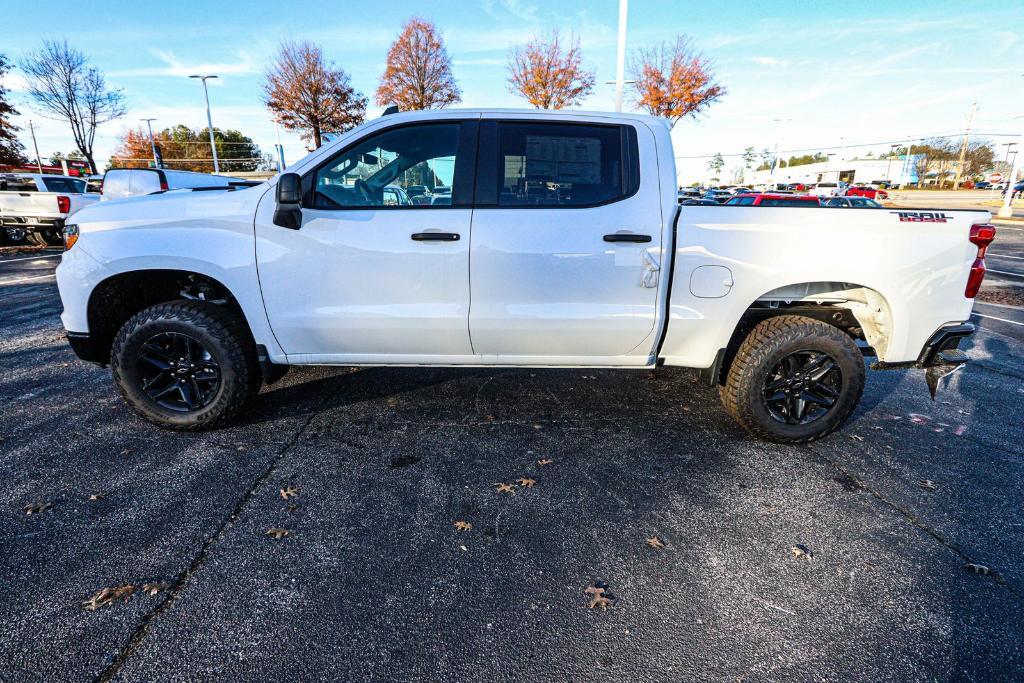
(804, 75)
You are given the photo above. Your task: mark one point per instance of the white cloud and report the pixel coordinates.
(174, 66)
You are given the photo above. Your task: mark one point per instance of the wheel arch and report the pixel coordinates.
(860, 311)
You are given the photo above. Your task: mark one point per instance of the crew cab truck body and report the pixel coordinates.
(34, 206)
(562, 246)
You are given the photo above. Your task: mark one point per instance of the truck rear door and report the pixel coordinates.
(566, 242)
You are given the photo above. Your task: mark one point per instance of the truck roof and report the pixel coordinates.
(542, 113)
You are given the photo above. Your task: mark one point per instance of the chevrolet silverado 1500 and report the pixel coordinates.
(562, 245)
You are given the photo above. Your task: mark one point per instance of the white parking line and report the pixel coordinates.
(26, 279)
(1006, 272)
(1002, 320)
(29, 258)
(1019, 258)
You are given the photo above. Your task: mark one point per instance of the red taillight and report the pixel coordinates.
(164, 186)
(63, 204)
(981, 236)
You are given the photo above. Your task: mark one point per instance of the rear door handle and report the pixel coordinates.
(626, 237)
(436, 236)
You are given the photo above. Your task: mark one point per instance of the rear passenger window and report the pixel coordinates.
(543, 164)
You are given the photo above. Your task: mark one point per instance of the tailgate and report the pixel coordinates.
(28, 204)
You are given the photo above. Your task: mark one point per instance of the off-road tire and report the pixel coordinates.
(221, 331)
(36, 238)
(767, 344)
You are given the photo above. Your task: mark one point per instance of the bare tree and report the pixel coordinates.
(548, 76)
(419, 71)
(66, 87)
(310, 95)
(673, 80)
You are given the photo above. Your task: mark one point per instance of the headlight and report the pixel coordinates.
(70, 235)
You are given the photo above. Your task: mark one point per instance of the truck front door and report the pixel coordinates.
(366, 279)
(566, 243)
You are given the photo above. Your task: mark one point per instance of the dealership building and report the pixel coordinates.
(895, 171)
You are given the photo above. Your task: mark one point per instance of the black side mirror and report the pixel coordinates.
(289, 198)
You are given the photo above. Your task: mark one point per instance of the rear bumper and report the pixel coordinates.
(86, 348)
(944, 346)
(32, 222)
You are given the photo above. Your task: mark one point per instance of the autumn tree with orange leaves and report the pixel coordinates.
(309, 95)
(419, 71)
(673, 80)
(548, 75)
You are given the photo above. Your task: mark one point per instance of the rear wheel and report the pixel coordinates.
(186, 365)
(794, 379)
(36, 239)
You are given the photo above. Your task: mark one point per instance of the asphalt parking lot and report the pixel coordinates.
(912, 519)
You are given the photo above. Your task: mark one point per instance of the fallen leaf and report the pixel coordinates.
(656, 543)
(108, 596)
(527, 483)
(544, 461)
(154, 587)
(127, 451)
(276, 532)
(856, 437)
(462, 526)
(36, 508)
(97, 496)
(928, 485)
(800, 550)
(599, 596)
(960, 430)
(292, 507)
(977, 568)
(503, 488)
(289, 492)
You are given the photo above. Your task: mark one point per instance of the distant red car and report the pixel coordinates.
(768, 199)
(869, 192)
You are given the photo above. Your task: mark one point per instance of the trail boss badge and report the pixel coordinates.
(922, 216)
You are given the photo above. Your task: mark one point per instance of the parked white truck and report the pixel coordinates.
(35, 206)
(562, 246)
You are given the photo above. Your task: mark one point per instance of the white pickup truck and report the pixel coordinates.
(562, 246)
(35, 206)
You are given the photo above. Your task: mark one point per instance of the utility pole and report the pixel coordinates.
(31, 128)
(152, 142)
(1006, 210)
(963, 147)
(620, 55)
(280, 148)
(209, 120)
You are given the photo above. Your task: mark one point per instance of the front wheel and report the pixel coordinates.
(794, 379)
(186, 365)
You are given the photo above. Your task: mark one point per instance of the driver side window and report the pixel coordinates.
(399, 167)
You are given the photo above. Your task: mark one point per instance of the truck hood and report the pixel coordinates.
(177, 209)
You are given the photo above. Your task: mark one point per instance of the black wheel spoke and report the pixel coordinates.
(177, 372)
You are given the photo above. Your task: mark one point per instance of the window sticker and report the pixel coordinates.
(563, 159)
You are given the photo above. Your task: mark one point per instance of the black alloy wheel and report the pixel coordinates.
(803, 387)
(177, 372)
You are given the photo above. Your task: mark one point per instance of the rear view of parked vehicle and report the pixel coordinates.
(851, 203)
(773, 199)
(35, 206)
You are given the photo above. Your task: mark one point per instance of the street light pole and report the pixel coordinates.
(620, 55)
(1006, 211)
(209, 120)
(152, 142)
(32, 129)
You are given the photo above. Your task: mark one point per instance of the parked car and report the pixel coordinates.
(773, 199)
(119, 183)
(688, 193)
(828, 189)
(699, 202)
(852, 203)
(195, 299)
(34, 206)
(982, 185)
(866, 191)
(720, 196)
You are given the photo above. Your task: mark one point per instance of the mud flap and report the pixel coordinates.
(938, 376)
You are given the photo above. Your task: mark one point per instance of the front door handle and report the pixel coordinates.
(436, 236)
(626, 237)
